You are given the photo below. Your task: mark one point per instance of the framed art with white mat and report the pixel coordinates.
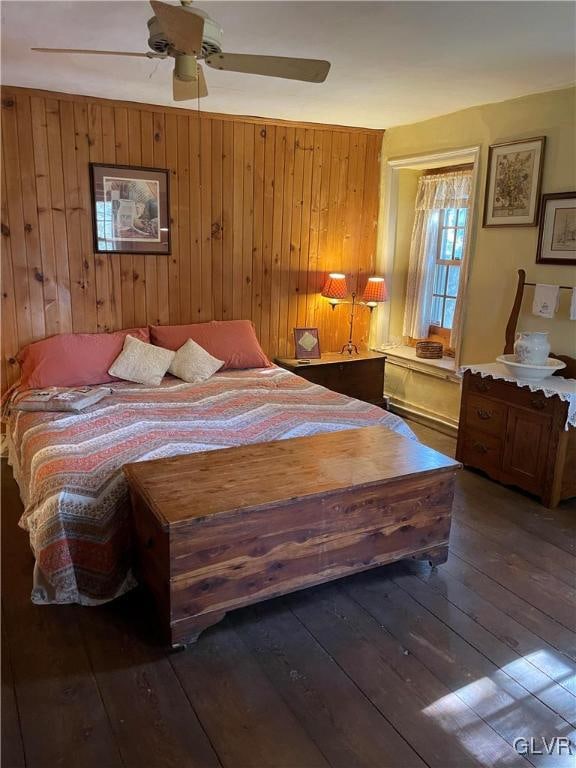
(557, 237)
(513, 183)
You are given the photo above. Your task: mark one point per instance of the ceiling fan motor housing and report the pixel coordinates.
(211, 38)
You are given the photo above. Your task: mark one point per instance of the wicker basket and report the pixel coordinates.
(430, 350)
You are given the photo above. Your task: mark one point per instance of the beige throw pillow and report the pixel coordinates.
(193, 364)
(141, 362)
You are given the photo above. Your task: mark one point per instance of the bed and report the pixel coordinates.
(69, 467)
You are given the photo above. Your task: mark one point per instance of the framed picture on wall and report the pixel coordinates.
(513, 183)
(557, 236)
(307, 344)
(130, 209)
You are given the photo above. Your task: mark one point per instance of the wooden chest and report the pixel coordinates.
(221, 529)
(517, 437)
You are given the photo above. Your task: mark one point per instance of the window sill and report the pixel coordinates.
(405, 357)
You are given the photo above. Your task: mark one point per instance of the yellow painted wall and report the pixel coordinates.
(496, 253)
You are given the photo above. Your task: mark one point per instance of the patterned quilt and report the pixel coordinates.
(69, 466)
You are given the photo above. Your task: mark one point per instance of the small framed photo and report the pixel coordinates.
(557, 236)
(513, 183)
(307, 343)
(130, 209)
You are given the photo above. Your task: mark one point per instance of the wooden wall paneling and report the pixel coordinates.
(267, 235)
(171, 125)
(8, 315)
(216, 223)
(260, 142)
(162, 261)
(87, 255)
(369, 208)
(275, 274)
(185, 242)
(295, 232)
(112, 261)
(59, 219)
(30, 214)
(248, 219)
(227, 218)
(204, 268)
(237, 220)
(138, 260)
(72, 203)
(304, 252)
(150, 261)
(260, 210)
(284, 342)
(126, 262)
(192, 311)
(313, 286)
(104, 291)
(44, 208)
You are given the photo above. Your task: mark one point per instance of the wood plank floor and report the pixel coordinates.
(404, 666)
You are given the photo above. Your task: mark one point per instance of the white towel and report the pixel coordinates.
(573, 305)
(546, 298)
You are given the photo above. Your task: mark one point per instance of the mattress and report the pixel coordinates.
(69, 466)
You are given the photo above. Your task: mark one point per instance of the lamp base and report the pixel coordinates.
(350, 348)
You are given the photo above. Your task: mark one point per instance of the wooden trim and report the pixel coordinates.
(7, 90)
(448, 169)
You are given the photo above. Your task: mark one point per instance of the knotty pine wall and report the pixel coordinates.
(261, 211)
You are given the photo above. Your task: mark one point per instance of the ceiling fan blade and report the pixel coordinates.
(183, 28)
(185, 90)
(150, 55)
(310, 70)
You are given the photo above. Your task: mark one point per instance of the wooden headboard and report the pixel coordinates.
(570, 371)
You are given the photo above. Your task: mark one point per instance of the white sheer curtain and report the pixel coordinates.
(435, 192)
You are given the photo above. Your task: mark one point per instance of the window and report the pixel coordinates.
(433, 291)
(449, 248)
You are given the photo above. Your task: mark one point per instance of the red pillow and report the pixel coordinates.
(233, 341)
(73, 359)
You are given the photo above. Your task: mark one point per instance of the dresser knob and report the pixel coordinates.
(340, 367)
(482, 414)
(538, 404)
(480, 448)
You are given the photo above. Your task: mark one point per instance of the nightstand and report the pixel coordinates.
(360, 376)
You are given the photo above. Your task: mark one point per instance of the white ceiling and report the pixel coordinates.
(392, 62)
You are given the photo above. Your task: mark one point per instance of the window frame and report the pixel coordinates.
(435, 327)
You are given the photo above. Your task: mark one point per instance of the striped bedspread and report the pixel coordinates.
(69, 466)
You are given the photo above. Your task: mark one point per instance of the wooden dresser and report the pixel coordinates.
(360, 376)
(517, 437)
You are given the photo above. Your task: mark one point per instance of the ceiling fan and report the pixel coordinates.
(188, 35)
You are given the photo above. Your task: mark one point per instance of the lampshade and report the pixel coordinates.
(335, 287)
(375, 290)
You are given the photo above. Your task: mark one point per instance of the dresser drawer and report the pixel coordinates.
(362, 379)
(482, 451)
(511, 393)
(485, 415)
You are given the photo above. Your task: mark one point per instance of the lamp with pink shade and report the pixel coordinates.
(336, 290)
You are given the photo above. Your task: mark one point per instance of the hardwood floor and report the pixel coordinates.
(403, 666)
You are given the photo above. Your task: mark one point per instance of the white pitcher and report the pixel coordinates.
(532, 348)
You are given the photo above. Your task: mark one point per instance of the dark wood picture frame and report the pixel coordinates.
(159, 242)
(543, 234)
(488, 202)
(300, 353)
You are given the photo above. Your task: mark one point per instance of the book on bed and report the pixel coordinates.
(60, 399)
